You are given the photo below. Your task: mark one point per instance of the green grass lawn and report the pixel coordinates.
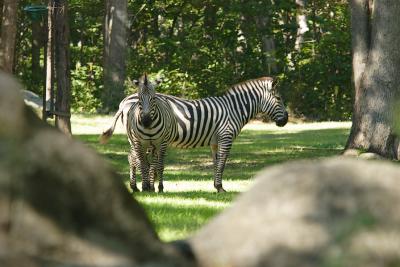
(190, 200)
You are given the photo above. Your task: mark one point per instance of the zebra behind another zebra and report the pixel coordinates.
(215, 121)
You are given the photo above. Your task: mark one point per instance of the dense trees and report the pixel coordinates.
(376, 64)
(202, 47)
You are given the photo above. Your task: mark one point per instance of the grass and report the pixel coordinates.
(190, 199)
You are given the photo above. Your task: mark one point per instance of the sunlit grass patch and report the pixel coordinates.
(190, 200)
(178, 214)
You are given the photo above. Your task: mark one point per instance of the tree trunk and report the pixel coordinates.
(210, 20)
(302, 27)
(1, 13)
(49, 57)
(37, 44)
(268, 45)
(376, 61)
(8, 35)
(114, 69)
(62, 64)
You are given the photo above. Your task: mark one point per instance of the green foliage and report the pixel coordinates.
(203, 47)
(319, 86)
(86, 87)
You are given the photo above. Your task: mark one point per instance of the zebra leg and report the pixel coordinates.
(152, 176)
(144, 165)
(224, 146)
(214, 150)
(152, 173)
(160, 166)
(132, 170)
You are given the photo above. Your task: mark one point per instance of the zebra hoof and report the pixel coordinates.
(146, 188)
(160, 188)
(220, 189)
(135, 189)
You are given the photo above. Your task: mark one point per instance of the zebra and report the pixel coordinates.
(125, 105)
(217, 121)
(122, 112)
(150, 125)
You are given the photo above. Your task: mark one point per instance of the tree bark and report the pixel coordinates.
(210, 19)
(49, 57)
(115, 44)
(302, 27)
(8, 35)
(62, 65)
(37, 44)
(1, 13)
(376, 61)
(268, 45)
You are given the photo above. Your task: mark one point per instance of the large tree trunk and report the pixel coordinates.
(115, 43)
(62, 64)
(376, 64)
(8, 35)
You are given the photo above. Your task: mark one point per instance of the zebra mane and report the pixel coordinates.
(238, 85)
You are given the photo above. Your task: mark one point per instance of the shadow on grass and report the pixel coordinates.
(251, 152)
(178, 214)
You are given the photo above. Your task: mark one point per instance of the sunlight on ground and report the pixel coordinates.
(296, 127)
(183, 202)
(202, 186)
(96, 124)
(190, 200)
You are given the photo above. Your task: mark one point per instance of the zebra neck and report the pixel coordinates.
(244, 105)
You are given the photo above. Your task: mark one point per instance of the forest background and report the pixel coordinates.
(200, 48)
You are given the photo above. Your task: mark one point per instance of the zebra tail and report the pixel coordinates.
(107, 134)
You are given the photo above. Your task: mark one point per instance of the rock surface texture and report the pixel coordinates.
(61, 204)
(332, 212)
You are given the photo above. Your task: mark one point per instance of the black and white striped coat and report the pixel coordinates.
(216, 121)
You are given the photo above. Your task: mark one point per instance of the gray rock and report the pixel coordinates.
(61, 204)
(332, 212)
(33, 100)
(351, 153)
(369, 155)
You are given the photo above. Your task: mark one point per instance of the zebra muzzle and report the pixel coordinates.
(146, 120)
(282, 121)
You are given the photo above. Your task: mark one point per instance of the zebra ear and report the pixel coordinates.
(135, 82)
(145, 79)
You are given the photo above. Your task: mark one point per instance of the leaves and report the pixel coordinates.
(204, 47)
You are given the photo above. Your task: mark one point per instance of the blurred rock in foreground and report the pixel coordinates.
(61, 204)
(331, 212)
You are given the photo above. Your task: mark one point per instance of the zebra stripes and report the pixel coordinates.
(216, 121)
(151, 125)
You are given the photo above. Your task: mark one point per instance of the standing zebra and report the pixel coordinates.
(125, 106)
(216, 121)
(150, 125)
(122, 113)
